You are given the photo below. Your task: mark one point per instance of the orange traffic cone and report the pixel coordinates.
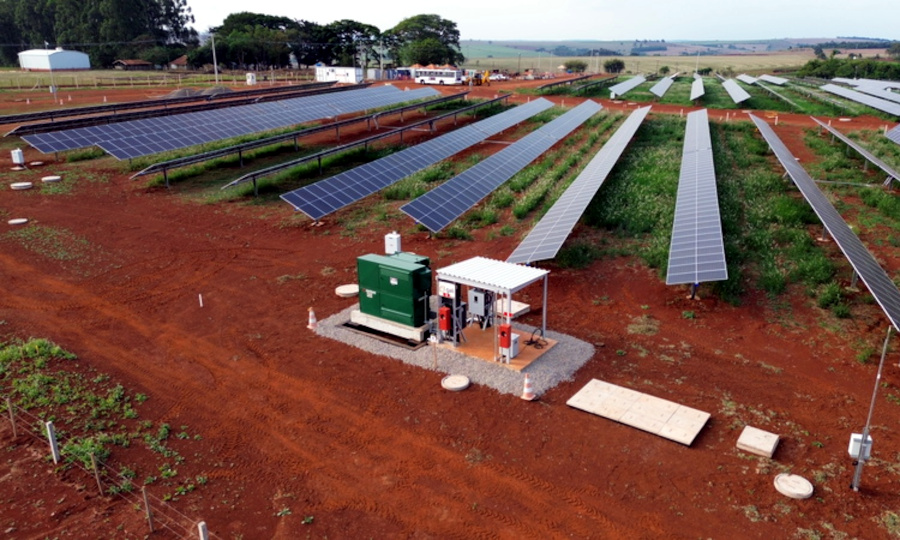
(312, 320)
(528, 392)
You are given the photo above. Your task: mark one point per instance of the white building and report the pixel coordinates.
(339, 74)
(53, 60)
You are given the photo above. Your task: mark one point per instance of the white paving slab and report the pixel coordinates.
(643, 411)
(757, 441)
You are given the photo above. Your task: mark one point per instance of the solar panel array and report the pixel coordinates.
(746, 79)
(659, 89)
(865, 99)
(872, 274)
(865, 153)
(444, 204)
(879, 89)
(696, 251)
(773, 80)
(322, 198)
(625, 86)
(697, 89)
(137, 138)
(734, 90)
(547, 237)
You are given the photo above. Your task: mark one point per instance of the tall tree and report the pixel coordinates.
(424, 39)
(352, 40)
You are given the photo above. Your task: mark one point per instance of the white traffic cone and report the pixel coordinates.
(527, 391)
(312, 320)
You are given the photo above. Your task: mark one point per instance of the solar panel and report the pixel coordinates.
(737, 93)
(625, 86)
(894, 134)
(444, 204)
(659, 89)
(547, 237)
(865, 153)
(696, 251)
(697, 89)
(326, 196)
(746, 79)
(152, 135)
(872, 274)
(865, 99)
(879, 92)
(773, 80)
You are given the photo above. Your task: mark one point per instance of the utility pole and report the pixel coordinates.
(864, 442)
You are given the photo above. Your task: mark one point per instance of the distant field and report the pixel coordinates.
(747, 63)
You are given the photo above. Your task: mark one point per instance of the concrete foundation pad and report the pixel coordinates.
(645, 412)
(757, 441)
(389, 327)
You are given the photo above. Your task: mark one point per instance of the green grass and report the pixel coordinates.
(92, 415)
(55, 243)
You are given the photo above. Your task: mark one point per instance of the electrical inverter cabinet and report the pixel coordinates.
(395, 287)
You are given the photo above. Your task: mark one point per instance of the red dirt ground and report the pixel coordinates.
(372, 448)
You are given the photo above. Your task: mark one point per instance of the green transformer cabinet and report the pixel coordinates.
(395, 287)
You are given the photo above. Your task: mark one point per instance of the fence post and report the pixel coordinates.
(201, 530)
(96, 473)
(51, 435)
(147, 507)
(12, 417)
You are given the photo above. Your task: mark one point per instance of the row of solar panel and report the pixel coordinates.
(152, 135)
(872, 274)
(547, 237)
(870, 101)
(444, 204)
(320, 199)
(696, 250)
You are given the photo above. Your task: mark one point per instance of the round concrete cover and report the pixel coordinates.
(793, 486)
(455, 382)
(20, 185)
(18, 221)
(347, 291)
(52, 178)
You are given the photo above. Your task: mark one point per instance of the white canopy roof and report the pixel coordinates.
(492, 275)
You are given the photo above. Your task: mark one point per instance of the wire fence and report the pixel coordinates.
(160, 515)
(135, 79)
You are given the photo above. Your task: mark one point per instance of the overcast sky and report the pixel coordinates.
(594, 19)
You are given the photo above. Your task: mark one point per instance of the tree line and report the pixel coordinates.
(159, 31)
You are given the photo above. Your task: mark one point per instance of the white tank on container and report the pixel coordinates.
(18, 158)
(392, 243)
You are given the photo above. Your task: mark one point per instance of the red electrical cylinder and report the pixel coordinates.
(444, 318)
(505, 335)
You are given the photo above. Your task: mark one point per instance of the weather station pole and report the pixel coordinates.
(215, 64)
(864, 441)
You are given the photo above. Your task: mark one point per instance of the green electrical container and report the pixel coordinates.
(395, 287)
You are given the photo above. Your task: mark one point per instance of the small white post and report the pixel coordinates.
(12, 417)
(201, 530)
(200, 296)
(51, 435)
(147, 508)
(776, 120)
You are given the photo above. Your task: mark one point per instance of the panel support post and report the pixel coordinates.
(864, 443)
(51, 436)
(12, 416)
(203, 534)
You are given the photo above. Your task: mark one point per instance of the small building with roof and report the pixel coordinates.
(132, 65)
(53, 60)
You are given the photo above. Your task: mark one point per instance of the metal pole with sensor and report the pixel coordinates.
(864, 443)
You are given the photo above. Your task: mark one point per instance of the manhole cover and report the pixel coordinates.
(347, 291)
(18, 221)
(793, 486)
(53, 178)
(455, 382)
(21, 185)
